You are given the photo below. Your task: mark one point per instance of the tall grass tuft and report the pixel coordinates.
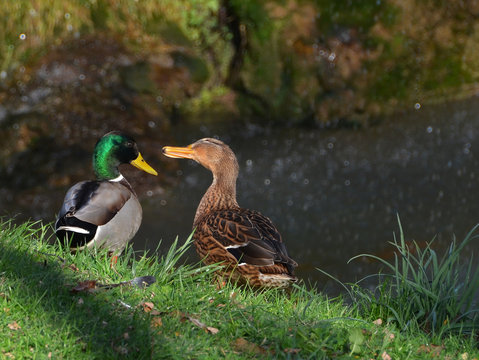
(421, 289)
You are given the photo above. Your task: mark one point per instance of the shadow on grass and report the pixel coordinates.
(97, 325)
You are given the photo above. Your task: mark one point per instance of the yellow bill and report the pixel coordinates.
(141, 164)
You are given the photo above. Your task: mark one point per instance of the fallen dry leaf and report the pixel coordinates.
(147, 306)
(156, 322)
(122, 350)
(292, 351)
(434, 350)
(9, 355)
(196, 322)
(389, 335)
(71, 267)
(179, 314)
(84, 286)
(243, 345)
(385, 356)
(14, 326)
(378, 322)
(210, 329)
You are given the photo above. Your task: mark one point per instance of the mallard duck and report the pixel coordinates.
(104, 212)
(244, 240)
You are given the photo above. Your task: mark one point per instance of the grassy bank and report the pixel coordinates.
(53, 305)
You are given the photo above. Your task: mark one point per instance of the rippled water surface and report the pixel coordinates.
(336, 194)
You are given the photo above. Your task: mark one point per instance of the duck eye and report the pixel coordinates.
(129, 144)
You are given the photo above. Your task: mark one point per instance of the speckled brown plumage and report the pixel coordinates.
(245, 241)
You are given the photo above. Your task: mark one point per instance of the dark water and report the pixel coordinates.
(336, 194)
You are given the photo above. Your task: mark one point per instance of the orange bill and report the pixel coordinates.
(178, 152)
(141, 164)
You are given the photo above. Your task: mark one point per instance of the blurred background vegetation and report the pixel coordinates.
(316, 62)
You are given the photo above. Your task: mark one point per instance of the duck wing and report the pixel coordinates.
(249, 236)
(86, 206)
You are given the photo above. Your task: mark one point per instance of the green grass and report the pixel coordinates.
(183, 315)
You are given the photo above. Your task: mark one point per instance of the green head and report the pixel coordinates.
(117, 148)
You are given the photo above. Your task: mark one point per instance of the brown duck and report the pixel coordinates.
(244, 240)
